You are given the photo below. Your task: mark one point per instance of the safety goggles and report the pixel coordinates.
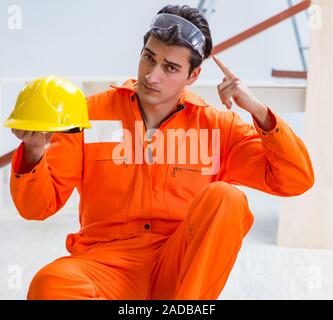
(188, 32)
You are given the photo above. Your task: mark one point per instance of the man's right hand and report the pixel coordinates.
(33, 139)
(34, 147)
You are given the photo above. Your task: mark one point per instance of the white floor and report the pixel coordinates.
(262, 270)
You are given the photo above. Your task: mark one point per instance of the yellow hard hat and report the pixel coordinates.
(50, 104)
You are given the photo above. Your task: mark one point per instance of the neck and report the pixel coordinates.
(153, 115)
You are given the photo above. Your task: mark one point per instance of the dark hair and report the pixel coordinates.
(170, 37)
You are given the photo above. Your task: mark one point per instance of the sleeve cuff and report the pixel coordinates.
(275, 130)
(16, 163)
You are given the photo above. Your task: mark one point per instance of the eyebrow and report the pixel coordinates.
(167, 61)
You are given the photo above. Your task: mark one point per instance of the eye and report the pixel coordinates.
(171, 69)
(148, 57)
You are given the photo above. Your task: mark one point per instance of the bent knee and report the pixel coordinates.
(43, 282)
(228, 201)
(225, 190)
(53, 280)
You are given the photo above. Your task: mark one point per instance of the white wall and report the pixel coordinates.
(103, 38)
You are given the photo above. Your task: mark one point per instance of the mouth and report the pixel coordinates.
(150, 89)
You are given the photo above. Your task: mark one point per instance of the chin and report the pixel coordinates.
(149, 99)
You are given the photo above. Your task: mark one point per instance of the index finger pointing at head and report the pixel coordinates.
(227, 72)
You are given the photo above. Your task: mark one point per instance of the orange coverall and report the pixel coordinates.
(154, 231)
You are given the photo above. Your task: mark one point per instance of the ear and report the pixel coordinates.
(194, 76)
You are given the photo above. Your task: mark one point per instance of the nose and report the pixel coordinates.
(154, 77)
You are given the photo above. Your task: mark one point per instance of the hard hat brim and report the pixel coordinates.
(29, 125)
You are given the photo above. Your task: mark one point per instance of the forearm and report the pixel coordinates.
(29, 189)
(41, 192)
(287, 155)
(275, 161)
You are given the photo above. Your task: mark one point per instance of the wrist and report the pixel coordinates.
(33, 153)
(265, 119)
(260, 112)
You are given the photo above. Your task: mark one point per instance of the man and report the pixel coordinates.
(150, 228)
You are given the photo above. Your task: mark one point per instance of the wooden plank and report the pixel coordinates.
(289, 74)
(6, 159)
(262, 26)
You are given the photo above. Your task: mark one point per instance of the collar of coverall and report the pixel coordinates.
(187, 96)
